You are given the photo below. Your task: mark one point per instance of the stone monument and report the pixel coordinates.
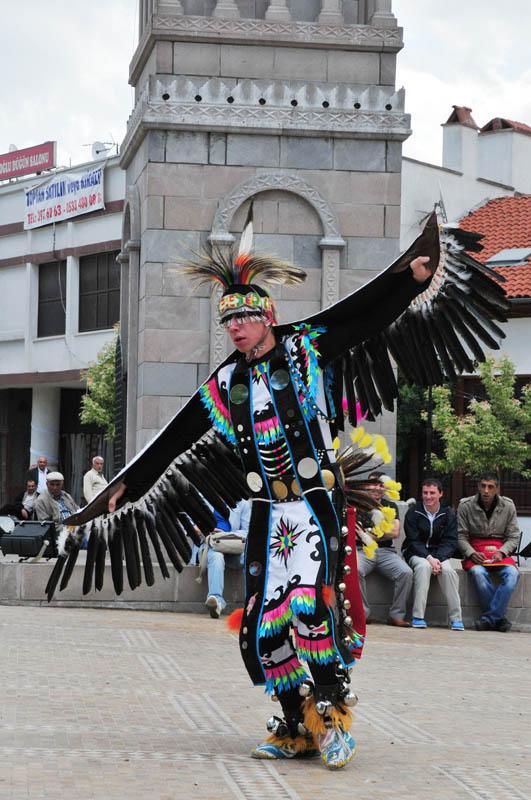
(290, 103)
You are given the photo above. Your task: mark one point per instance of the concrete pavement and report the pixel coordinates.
(107, 704)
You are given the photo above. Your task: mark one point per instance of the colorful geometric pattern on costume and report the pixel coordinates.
(300, 600)
(283, 540)
(287, 675)
(305, 339)
(259, 372)
(356, 644)
(321, 651)
(328, 383)
(267, 431)
(217, 410)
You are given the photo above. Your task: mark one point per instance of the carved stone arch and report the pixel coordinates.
(331, 244)
(275, 181)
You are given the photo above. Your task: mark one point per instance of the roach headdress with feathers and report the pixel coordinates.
(237, 273)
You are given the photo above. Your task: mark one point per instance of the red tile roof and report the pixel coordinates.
(500, 124)
(518, 280)
(505, 223)
(462, 115)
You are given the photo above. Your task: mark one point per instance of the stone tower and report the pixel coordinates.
(289, 102)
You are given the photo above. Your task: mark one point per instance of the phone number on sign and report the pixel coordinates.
(64, 209)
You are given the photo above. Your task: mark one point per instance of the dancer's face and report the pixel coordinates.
(246, 334)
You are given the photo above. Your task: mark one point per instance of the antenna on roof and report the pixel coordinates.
(99, 149)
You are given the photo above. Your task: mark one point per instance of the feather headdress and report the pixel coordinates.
(357, 464)
(237, 273)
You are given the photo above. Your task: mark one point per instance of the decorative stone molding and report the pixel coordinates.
(182, 28)
(153, 115)
(380, 114)
(331, 252)
(266, 94)
(352, 36)
(331, 244)
(275, 181)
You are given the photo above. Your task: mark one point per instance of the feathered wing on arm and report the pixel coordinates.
(441, 333)
(433, 331)
(172, 484)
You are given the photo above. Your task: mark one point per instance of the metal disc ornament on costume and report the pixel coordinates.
(307, 467)
(329, 478)
(334, 544)
(279, 379)
(239, 394)
(255, 568)
(295, 488)
(254, 481)
(280, 490)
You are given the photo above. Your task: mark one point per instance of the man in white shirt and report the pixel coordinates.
(94, 480)
(39, 473)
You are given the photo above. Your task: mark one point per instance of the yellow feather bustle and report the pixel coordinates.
(340, 716)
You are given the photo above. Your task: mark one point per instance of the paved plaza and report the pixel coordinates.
(104, 704)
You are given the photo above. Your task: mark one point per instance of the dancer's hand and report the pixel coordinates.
(115, 496)
(419, 269)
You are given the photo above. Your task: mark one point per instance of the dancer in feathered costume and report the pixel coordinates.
(276, 401)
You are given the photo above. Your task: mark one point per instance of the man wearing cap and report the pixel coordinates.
(54, 503)
(386, 560)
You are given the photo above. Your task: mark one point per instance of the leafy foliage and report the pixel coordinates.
(97, 405)
(492, 435)
(410, 423)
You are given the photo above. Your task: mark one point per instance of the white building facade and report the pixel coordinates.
(60, 285)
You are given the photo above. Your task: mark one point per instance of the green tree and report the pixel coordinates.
(410, 425)
(97, 405)
(492, 435)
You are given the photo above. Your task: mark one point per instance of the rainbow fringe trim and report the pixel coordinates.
(322, 651)
(268, 431)
(356, 644)
(217, 410)
(299, 601)
(308, 337)
(285, 676)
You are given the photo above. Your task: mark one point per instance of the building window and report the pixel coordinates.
(99, 291)
(52, 299)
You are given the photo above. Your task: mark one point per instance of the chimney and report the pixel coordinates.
(504, 153)
(460, 141)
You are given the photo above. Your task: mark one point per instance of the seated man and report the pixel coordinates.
(386, 560)
(54, 503)
(431, 539)
(488, 533)
(25, 502)
(238, 523)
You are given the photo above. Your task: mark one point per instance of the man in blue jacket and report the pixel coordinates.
(429, 544)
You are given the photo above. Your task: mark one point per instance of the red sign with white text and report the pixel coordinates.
(27, 161)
